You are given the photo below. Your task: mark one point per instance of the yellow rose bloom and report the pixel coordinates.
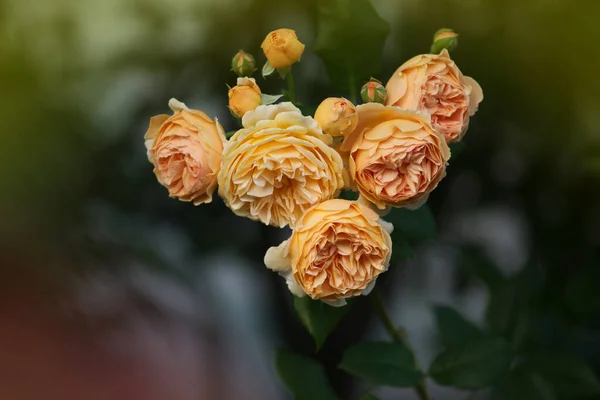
(395, 157)
(244, 97)
(279, 165)
(185, 149)
(282, 48)
(337, 250)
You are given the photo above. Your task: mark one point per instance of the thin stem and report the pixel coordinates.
(397, 336)
(291, 87)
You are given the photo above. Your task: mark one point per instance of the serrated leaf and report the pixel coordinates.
(569, 375)
(413, 224)
(318, 318)
(303, 376)
(270, 98)
(350, 39)
(382, 363)
(267, 69)
(454, 329)
(476, 365)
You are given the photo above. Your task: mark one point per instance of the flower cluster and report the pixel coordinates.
(283, 168)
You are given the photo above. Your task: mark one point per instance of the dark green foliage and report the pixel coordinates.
(303, 376)
(389, 364)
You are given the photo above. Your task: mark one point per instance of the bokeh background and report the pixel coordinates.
(111, 290)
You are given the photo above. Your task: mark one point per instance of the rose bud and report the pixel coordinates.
(336, 251)
(282, 48)
(395, 157)
(444, 39)
(373, 92)
(433, 84)
(278, 166)
(185, 149)
(243, 64)
(244, 97)
(336, 116)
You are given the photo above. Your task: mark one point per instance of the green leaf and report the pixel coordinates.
(319, 318)
(382, 363)
(267, 70)
(413, 224)
(523, 384)
(229, 134)
(350, 39)
(304, 377)
(270, 98)
(454, 329)
(476, 365)
(569, 375)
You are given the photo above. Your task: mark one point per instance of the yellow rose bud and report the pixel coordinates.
(279, 165)
(244, 97)
(282, 48)
(444, 39)
(243, 64)
(337, 116)
(433, 84)
(185, 149)
(396, 158)
(336, 251)
(373, 92)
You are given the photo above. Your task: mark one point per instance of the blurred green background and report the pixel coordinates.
(79, 203)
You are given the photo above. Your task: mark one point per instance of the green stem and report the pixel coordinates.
(291, 86)
(397, 336)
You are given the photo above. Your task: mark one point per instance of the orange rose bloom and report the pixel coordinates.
(395, 157)
(434, 84)
(185, 149)
(337, 250)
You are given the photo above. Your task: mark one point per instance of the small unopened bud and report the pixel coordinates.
(444, 39)
(337, 116)
(373, 92)
(243, 64)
